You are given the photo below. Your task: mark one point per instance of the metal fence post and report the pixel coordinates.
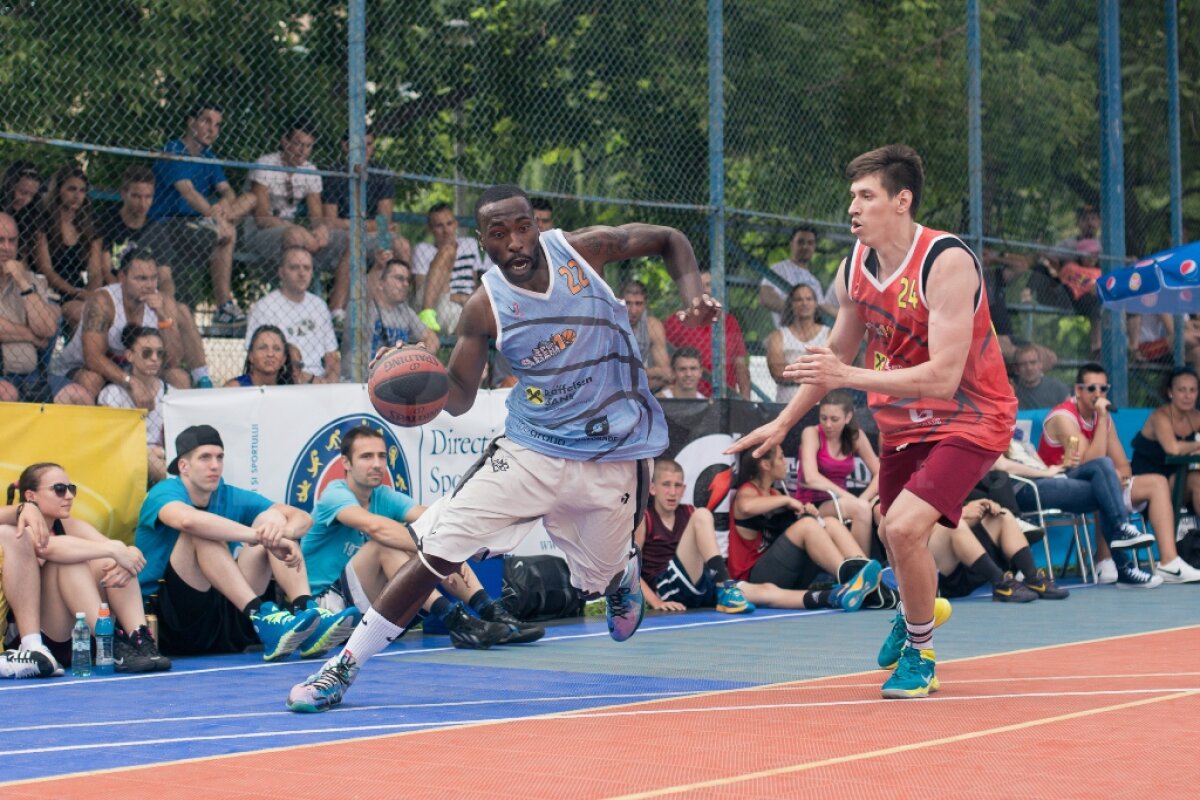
(1171, 32)
(716, 183)
(356, 317)
(974, 129)
(1112, 192)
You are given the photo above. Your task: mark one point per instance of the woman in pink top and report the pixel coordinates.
(827, 452)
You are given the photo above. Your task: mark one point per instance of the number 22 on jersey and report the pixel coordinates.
(576, 278)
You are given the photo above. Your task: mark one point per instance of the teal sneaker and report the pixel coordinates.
(624, 603)
(889, 654)
(850, 595)
(281, 632)
(332, 629)
(324, 690)
(914, 676)
(730, 599)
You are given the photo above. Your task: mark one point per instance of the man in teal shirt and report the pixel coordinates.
(360, 538)
(211, 549)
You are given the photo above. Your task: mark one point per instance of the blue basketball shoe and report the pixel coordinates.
(851, 593)
(914, 676)
(324, 690)
(624, 603)
(730, 599)
(889, 653)
(332, 629)
(281, 632)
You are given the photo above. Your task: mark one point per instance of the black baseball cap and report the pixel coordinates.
(191, 438)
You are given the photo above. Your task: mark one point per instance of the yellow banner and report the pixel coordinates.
(102, 449)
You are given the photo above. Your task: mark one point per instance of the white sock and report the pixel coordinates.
(33, 641)
(371, 637)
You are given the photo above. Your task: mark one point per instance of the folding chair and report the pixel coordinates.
(1048, 518)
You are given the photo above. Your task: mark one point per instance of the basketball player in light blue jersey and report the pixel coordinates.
(582, 428)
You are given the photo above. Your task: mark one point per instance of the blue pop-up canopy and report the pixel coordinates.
(1167, 282)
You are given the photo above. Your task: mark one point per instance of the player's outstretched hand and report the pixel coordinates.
(818, 367)
(704, 310)
(763, 439)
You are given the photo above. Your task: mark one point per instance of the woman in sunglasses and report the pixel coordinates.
(268, 360)
(82, 568)
(145, 353)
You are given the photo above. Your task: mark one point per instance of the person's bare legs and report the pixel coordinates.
(906, 531)
(769, 595)
(858, 513)
(66, 589)
(258, 566)
(22, 580)
(698, 544)
(220, 262)
(1155, 490)
(339, 293)
(189, 337)
(205, 564)
(125, 601)
(807, 534)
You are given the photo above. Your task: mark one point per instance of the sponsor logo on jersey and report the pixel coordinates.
(549, 348)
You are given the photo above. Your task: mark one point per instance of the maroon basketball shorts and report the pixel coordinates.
(941, 473)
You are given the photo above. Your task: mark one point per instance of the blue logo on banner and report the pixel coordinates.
(319, 462)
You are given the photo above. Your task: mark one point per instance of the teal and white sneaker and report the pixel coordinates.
(914, 676)
(851, 593)
(281, 632)
(889, 653)
(624, 603)
(730, 599)
(332, 629)
(324, 690)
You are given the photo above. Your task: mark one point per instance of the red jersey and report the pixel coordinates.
(744, 553)
(680, 335)
(896, 315)
(1050, 451)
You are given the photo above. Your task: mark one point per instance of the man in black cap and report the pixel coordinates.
(215, 548)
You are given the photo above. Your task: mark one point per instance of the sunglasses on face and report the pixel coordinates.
(1092, 388)
(150, 352)
(61, 489)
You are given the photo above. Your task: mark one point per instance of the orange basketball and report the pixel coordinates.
(408, 387)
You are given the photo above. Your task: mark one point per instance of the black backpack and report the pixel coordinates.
(539, 588)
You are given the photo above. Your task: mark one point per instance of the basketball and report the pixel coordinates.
(408, 387)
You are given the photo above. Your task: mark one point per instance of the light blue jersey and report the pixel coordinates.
(330, 545)
(583, 393)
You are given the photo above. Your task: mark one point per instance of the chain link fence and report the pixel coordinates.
(602, 110)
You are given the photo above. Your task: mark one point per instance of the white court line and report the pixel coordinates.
(580, 714)
(346, 710)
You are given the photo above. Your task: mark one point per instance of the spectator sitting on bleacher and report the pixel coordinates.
(446, 270)
(1085, 418)
(390, 319)
(827, 452)
(686, 373)
(682, 566)
(986, 541)
(268, 360)
(737, 366)
(145, 354)
(1152, 338)
(648, 330)
(95, 355)
(794, 271)
(81, 568)
(275, 224)
(382, 231)
(67, 247)
(798, 330)
(1172, 429)
(119, 226)
(360, 539)
(1035, 389)
(29, 316)
(302, 316)
(188, 226)
(20, 198)
(777, 539)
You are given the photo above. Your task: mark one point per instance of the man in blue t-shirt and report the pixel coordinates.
(359, 540)
(211, 550)
(189, 226)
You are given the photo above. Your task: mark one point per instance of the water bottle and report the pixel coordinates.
(383, 235)
(81, 647)
(104, 641)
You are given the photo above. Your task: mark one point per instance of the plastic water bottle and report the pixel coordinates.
(81, 647)
(104, 641)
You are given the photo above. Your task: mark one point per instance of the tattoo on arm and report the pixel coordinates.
(94, 318)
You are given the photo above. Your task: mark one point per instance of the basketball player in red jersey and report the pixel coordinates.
(935, 380)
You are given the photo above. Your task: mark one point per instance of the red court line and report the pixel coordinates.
(1022, 724)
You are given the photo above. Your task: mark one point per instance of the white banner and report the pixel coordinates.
(283, 441)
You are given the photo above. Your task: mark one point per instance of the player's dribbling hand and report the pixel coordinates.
(763, 439)
(704, 310)
(817, 367)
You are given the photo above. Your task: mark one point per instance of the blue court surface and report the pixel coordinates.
(233, 704)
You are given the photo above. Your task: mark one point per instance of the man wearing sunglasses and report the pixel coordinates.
(1086, 419)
